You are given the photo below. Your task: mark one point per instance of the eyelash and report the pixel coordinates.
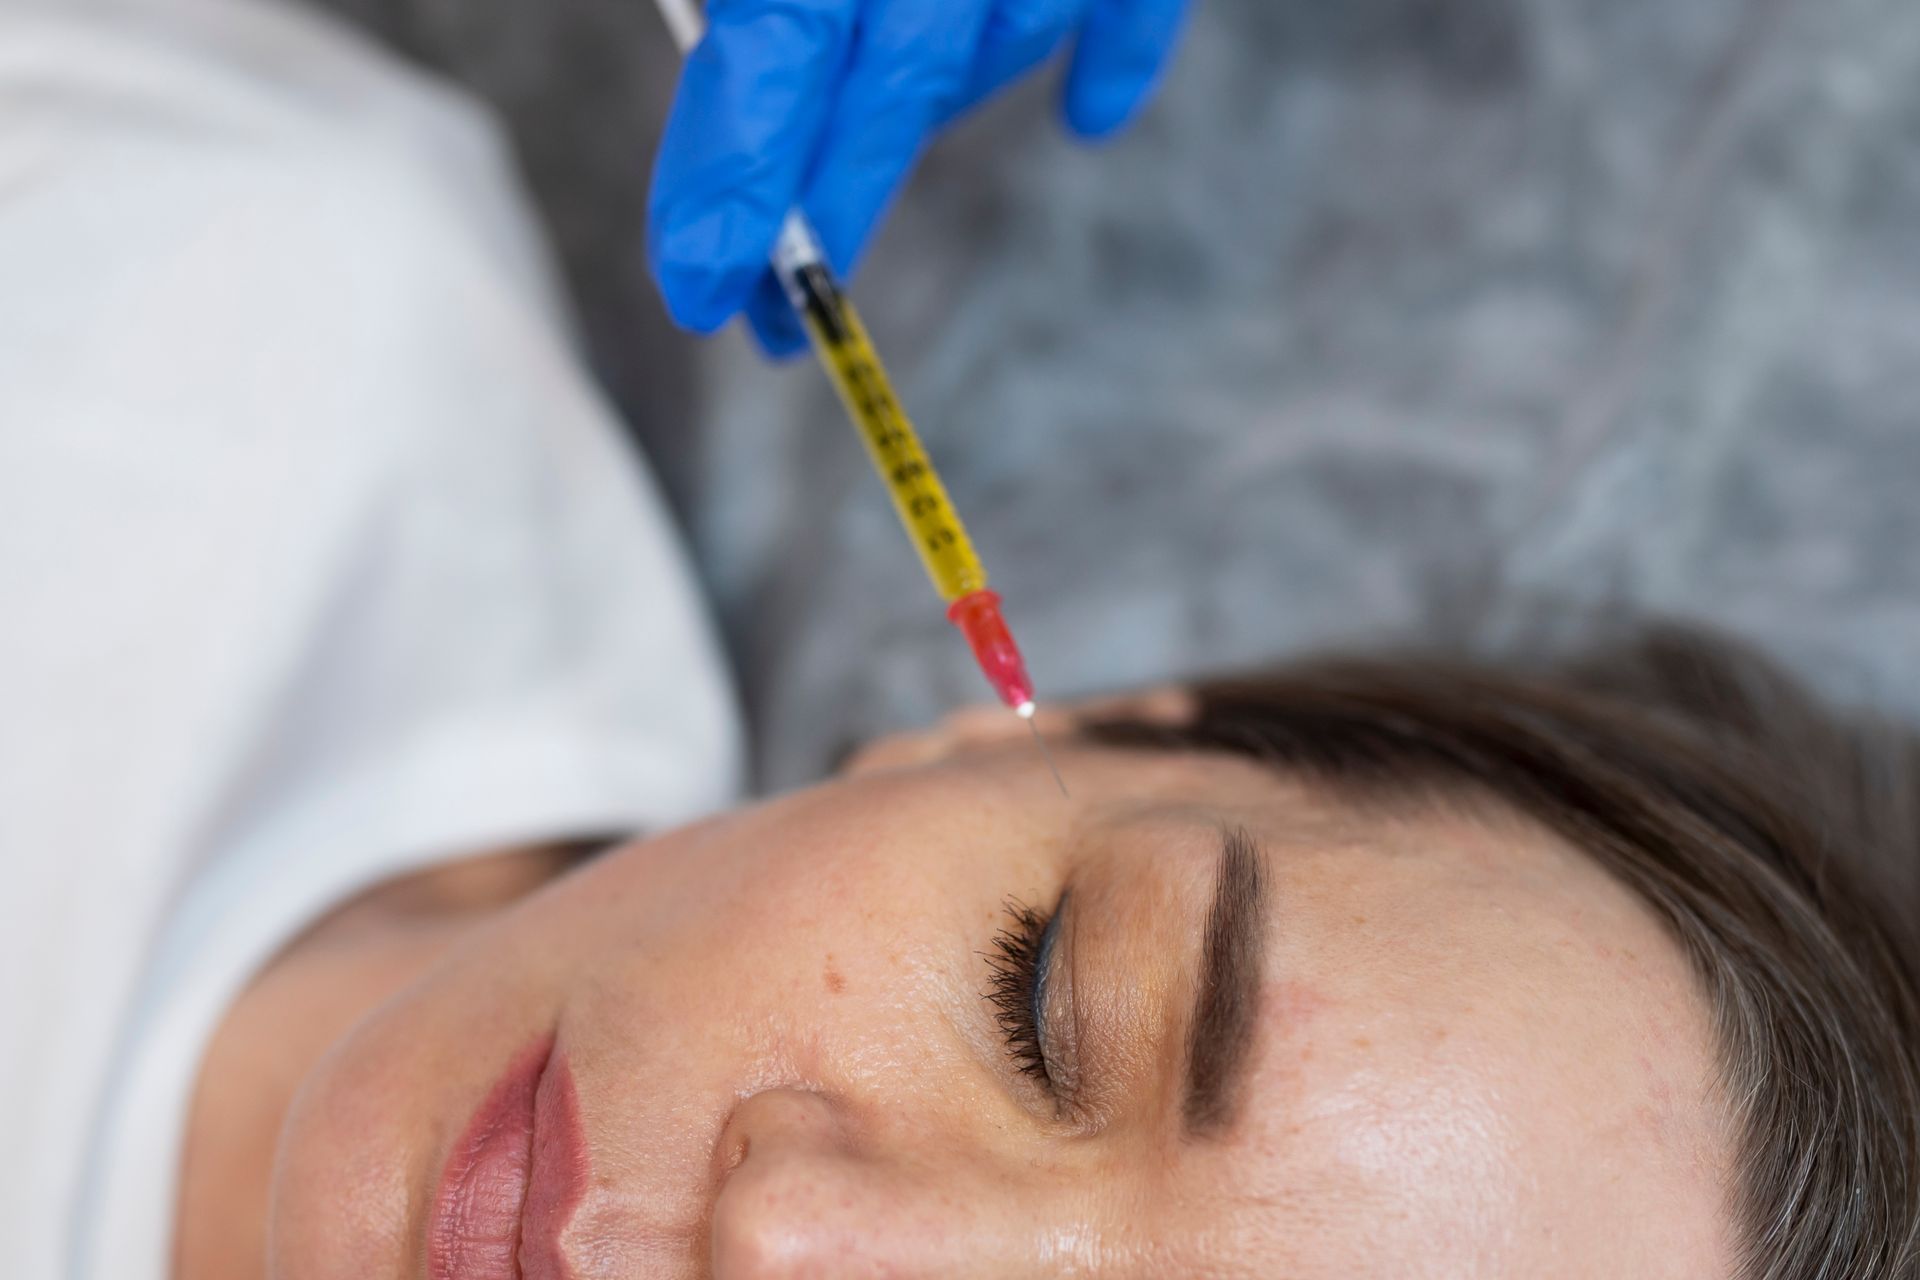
(1014, 969)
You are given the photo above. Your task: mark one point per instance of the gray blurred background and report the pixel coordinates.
(1392, 319)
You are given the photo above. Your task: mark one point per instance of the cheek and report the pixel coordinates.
(804, 940)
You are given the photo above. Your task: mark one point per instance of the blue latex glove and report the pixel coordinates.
(827, 103)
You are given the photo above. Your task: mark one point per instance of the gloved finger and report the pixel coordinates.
(744, 126)
(1123, 46)
(774, 323)
(1019, 36)
(910, 60)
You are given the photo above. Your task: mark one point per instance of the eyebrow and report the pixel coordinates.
(1221, 1032)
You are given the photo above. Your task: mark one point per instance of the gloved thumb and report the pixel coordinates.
(743, 128)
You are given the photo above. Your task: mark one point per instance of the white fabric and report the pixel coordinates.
(320, 559)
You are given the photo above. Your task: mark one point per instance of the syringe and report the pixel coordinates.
(891, 442)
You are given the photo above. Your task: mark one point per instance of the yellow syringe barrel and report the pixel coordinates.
(847, 353)
(919, 497)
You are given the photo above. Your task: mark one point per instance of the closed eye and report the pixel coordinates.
(1020, 968)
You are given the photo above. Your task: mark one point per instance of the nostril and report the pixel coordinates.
(786, 1180)
(773, 1124)
(730, 1152)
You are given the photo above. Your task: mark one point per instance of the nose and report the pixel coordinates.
(811, 1196)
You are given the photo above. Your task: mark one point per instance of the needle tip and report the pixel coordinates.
(1045, 754)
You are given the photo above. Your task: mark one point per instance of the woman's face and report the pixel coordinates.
(1248, 1030)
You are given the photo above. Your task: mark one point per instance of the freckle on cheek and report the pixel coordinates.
(836, 982)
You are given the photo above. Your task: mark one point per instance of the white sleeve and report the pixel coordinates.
(320, 557)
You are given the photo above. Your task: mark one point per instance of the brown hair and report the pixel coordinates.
(1780, 843)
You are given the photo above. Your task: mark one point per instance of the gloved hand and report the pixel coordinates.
(827, 103)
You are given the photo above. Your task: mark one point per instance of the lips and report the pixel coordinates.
(513, 1178)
